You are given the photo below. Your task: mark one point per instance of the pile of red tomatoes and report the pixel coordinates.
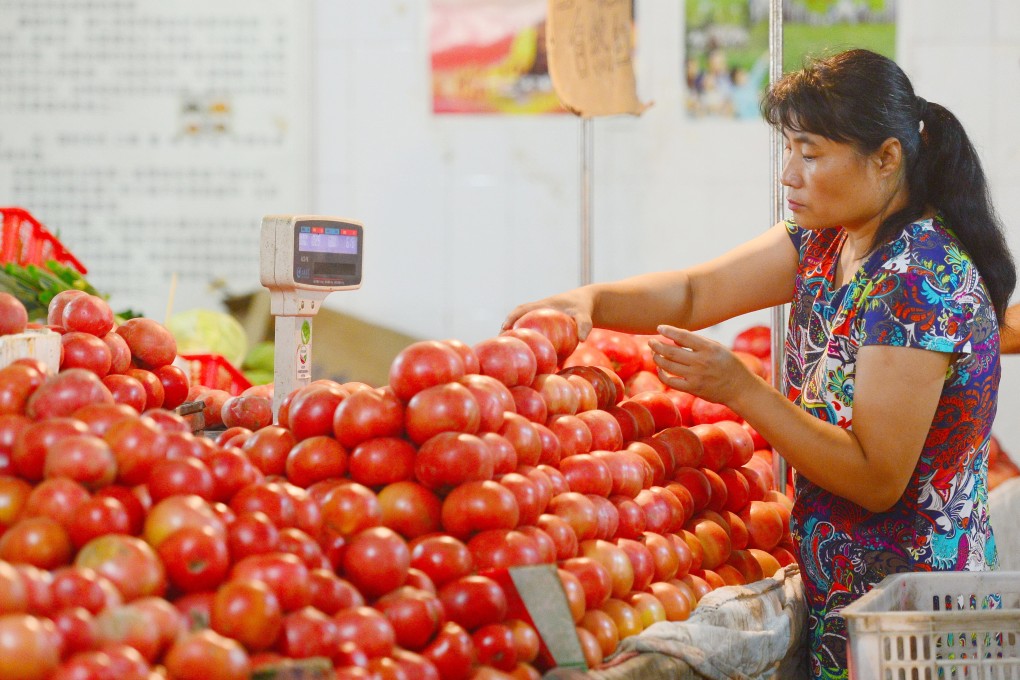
(367, 532)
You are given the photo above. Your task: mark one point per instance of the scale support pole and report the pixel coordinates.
(778, 316)
(587, 153)
(292, 357)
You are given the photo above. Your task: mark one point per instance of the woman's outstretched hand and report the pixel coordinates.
(575, 304)
(702, 367)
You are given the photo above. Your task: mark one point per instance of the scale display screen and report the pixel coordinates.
(327, 253)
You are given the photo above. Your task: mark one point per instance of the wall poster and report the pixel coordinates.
(489, 56)
(726, 55)
(152, 137)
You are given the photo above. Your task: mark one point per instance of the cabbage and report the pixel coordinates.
(205, 331)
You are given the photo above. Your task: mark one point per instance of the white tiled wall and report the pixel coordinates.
(468, 215)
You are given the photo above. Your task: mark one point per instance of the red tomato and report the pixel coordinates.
(416, 616)
(17, 383)
(755, 340)
(504, 455)
(266, 496)
(382, 460)
(175, 385)
(557, 326)
(493, 397)
(284, 573)
(452, 652)
(151, 344)
(367, 414)
(129, 562)
(376, 561)
(231, 471)
(424, 364)
(251, 533)
(546, 358)
(77, 629)
(473, 601)
(206, 655)
(195, 558)
(574, 434)
(449, 407)
(330, 593)
(477, 506)
(196, 609)
(451, 458)
(314, 459)
(594, 577)
(559, 394)
(529, 403)
(28, 647)
(28, 454)
(307, 633)
(367, 628)
(174, 512)
(252, 412)
(39, 541)
(97, 516)
(55, 309)
(13, 315)
(268, 449)
(524, 436)
(181, 476)
(563, 536)
(495, 646)
(312, 409)
(120, 353)
(85, 458)
(154, 392)
(466, 353)
(297, 542)
(83, 350)
(137, 444)
(531, 502)
(442, 557)
(75, 586)
(414, 665)
(14, 493)
(87, 313)
(503, 548)
(579, 512)
(247, 610)
(409, 509)
(587, 474)
(508, 359)
(350, 508)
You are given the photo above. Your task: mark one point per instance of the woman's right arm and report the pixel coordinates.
(755, 275)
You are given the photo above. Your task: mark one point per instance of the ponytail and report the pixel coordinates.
(950, 178)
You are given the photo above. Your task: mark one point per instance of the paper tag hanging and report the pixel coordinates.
(590, 45)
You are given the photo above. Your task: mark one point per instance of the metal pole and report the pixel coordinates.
(778, 320)
(587, 151)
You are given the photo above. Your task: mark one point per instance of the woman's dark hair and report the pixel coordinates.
(862, 98)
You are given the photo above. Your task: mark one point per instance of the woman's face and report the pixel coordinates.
(830, 184)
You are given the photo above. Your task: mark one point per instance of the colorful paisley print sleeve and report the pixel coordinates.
(920, 290)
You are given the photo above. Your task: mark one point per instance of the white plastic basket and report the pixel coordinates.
(935, 625)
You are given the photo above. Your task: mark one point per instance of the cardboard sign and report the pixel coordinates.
(590, 45)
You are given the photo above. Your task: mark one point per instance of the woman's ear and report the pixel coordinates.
(889, 157)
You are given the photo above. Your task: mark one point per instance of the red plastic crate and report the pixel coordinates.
(213, 370)
(25, 240)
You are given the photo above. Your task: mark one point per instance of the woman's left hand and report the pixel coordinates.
(700, 366)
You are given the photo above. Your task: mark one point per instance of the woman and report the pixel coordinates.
(898, 275)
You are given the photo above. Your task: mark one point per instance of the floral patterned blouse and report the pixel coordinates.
(920, 290)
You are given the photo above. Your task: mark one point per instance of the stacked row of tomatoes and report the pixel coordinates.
(367, 531)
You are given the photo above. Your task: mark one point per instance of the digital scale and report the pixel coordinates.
(304, 258)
